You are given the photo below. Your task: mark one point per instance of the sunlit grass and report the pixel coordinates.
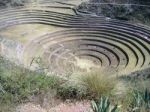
(99, 84)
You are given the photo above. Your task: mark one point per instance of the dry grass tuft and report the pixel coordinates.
(99, 84)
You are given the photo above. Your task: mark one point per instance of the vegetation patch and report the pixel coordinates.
(98, 84)
(71, 90)
(132, 10)
(18, 84)
(104, 105)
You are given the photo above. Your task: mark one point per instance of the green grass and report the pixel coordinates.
(71, 90)
(136, 101)
(18, 84)
(137, 95)
(18, 87)
(87, 86)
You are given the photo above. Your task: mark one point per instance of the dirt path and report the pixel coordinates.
(62, 107)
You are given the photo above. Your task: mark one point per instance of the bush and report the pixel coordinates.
(18, 84)
(133, 13)
(141, 100)
(137, 96)
(71, 90)
(98, 84)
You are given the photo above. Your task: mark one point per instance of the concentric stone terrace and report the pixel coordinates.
(82, 41)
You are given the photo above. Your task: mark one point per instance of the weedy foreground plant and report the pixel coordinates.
(104, 105)
(18, 84)
(141, 101)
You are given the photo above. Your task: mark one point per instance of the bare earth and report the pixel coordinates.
(62, 107)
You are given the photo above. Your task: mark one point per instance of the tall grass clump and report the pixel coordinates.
(98, 84)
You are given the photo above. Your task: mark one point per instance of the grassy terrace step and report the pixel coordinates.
(42, 13)
(59, 38)
(118, 37)
(115, 34)
(72, 52)
(40, 43)
(43, 22)
(69, 23)
(53, 18)
(33, 11)
(95, 45)
(57, 60)
(106, 43)
(46, 8)
(91, 41)
(76, 50)
(102, 59)
(42, 10)
(55, 50)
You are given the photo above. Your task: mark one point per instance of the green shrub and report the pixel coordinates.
(18, 87)
(103, 105)
(136, 99)
(17, 84)
(141, 100)
(70, 90)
